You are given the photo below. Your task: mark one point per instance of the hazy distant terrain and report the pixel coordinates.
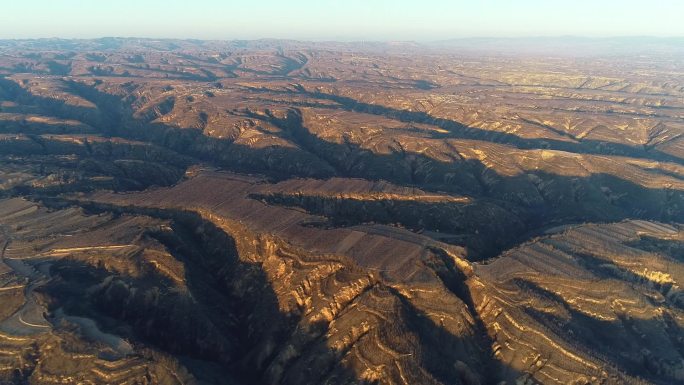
(474, 211)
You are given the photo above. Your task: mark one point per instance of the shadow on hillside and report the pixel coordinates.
(539, 199)
(227, 328)
(458, 130)
(250, 320)
(227, 325)
(640, 348)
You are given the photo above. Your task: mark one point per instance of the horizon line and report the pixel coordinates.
(420, 41)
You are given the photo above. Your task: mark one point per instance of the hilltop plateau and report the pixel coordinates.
(283, 212)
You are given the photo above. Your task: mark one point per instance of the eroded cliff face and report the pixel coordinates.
(581, 292)
(206, 289)
(232, 215)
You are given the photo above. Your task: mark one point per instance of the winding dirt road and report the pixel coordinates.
(29, 319)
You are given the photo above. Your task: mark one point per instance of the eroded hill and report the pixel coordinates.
(184, 212)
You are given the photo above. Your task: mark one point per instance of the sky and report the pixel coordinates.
(344, 20)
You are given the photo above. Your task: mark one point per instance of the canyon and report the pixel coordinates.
(284, 212)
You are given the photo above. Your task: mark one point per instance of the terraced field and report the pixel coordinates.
(278, 212)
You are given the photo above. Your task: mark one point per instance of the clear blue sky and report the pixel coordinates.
(339, 19)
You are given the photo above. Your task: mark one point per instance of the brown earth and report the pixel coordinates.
(274, 212)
